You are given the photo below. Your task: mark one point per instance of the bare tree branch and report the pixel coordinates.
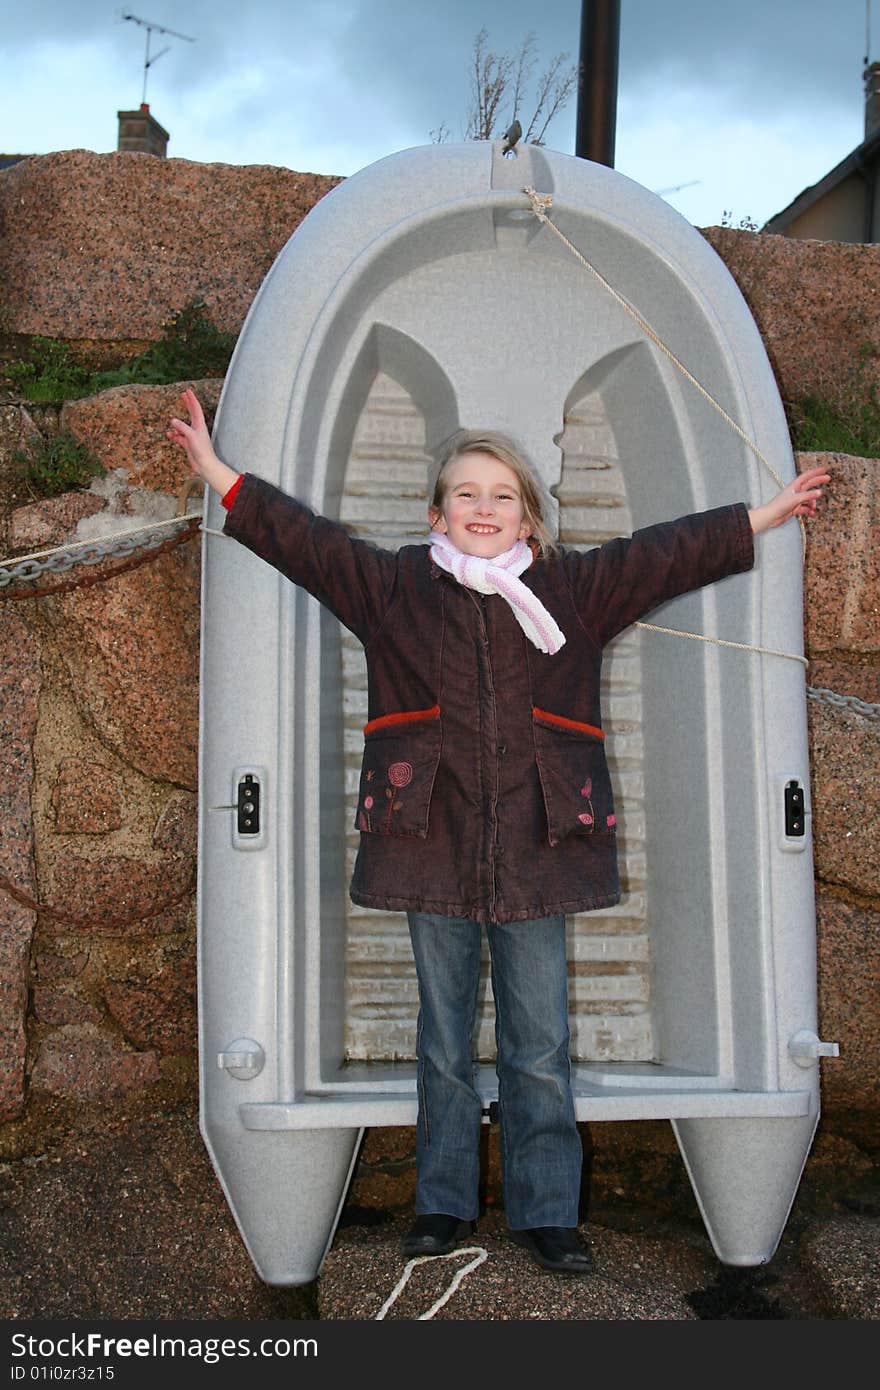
(554, 90)
(525, 62)
(496, 79)
(490, 78)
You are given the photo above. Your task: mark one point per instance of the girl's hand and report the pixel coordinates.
(195, 440)
(799, 498)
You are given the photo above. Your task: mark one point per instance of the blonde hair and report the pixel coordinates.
(506, 452)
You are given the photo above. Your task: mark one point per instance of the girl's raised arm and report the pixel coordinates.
(195, 440)
(799, 498)
(351, 577)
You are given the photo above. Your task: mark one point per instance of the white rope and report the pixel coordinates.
(100, 540)
(476, 1250)
(722, 642)
(541, 204)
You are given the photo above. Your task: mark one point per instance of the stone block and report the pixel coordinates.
(131, 645)
(177, 829)
(58, 1006)
(841, 1256)
(815, 304)
(83, 1063)
(125, 428)
(848, 941)
(51, 521)
(62, 964)
(16, 929)
(842, 574)
(87, 798)
(20, 684)
(120, 895)
(103, 247)
(159, 1012)
(388, 1145)
(863, 682)
(845, 796)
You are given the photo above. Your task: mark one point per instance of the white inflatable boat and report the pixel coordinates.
(424, 294)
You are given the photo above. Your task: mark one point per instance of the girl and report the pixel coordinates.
(485, 797)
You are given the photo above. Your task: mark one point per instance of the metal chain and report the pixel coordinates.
(64, 557)
(85, 581)
(831, 697)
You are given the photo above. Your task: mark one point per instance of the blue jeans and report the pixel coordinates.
(541, 1153)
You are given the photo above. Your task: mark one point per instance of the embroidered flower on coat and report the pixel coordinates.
(400, 774)
(588, 818)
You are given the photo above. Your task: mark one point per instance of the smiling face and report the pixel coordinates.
(482, 509)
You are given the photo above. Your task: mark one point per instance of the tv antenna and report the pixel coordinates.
(150, 25)
(692, 183)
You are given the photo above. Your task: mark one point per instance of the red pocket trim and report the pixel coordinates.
(406, 717)
(567, 723)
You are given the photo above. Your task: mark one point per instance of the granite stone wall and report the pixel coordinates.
(98, 684)
(842, 640)
(99, 249)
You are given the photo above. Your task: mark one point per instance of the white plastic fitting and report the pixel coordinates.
(244, 1059)
(805, 1048)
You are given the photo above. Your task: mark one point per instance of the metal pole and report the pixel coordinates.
(597, 80)
(146, 65)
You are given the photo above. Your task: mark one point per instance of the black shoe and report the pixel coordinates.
(554, 1247)
(435, 1234)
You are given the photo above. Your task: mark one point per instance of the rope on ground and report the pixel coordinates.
(477, 1250)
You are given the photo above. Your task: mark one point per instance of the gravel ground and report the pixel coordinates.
(130, 1223)
(825, 1268)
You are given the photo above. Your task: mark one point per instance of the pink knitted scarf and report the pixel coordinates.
(500, 576)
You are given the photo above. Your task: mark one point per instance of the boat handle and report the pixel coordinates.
(244, 1059)
(805, 1048)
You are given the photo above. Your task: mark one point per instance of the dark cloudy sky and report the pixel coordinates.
(746, 103)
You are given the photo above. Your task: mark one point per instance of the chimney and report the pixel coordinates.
(141, 133)
(872, 99)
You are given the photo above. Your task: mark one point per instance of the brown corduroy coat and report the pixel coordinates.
(484, 791)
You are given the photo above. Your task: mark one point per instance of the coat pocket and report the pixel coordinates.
(401, 756)
(574, 776)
